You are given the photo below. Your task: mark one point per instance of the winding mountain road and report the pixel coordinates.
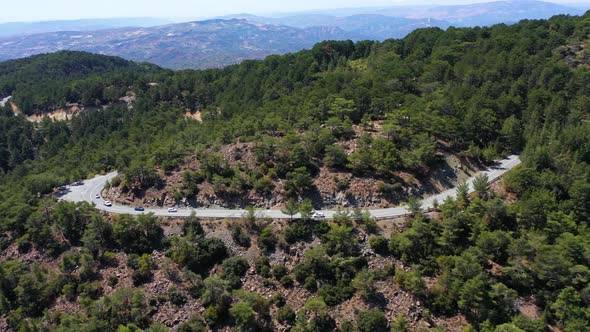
(90, 188)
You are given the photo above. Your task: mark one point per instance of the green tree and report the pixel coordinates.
(463, 192)
(372, 320)
(267, 239)
(481, 186)
(305, 209)
(414, 206)
(291, 208)
(364, 283)
(244, 316)
(335, 157)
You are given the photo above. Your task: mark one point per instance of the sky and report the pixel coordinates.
(37, 10)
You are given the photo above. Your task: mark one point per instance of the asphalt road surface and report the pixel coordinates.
(92, 187)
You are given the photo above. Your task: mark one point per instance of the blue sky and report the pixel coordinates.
(29, 10)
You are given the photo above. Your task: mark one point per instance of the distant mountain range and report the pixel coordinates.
(12, 29)
(204, 44)
(494, 12)
(234, 38)
(363, 26)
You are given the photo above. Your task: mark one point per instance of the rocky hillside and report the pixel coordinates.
(326, 186)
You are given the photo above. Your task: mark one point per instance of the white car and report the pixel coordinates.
(172, 210)
(97, 196)
(318, 215)
(108, 203)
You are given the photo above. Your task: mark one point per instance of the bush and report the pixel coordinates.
(279, 271)
(69, 291)
(211, 316)
(334, 295)
(69, 261)
(244, 315)
(113, 280)
(262, 266)
(372, 320)
(137, 235)
(311, 284)
(176, 297)
(109, 259)
(278, 300)
(92, 290)
(234, 268)
(23, 244)
(379, 244)
(197, 253)
(192, 325)
(286, 315)
(267, 240)
(286, 281)
(298, 231)
(240, 237)
(143, 270)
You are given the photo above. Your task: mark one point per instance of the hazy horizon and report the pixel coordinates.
(32, 11)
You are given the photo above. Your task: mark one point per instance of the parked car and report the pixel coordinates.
(108, 203)
(172, 209)
(139, 208)
(318, 215)
(97, 196)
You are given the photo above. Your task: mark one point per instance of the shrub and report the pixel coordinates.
(211, 316)
(372, 320)
(234, 268)
(279, 271)
(286, 315)
(262, 267)
(192, 325)
(298, 231)
(379, 244)
(176, 297)
(109, 259)
(267, 240)
(286, 281)
(278, 299)
(113, 280)
(240, 237)
(143, 272)
(311, 284)
(69, 291)
(244, 315)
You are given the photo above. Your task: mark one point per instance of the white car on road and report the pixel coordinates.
(97, 196)
(318, 215)
(108, 203)
(172, 210)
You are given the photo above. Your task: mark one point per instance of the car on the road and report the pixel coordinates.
(172, 209)
(318, 215)
(97, 196)
(108, 203)
(139, 208)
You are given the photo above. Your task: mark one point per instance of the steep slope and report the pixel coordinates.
(204, 44)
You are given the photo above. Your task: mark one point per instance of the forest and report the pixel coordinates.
(483, 92)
